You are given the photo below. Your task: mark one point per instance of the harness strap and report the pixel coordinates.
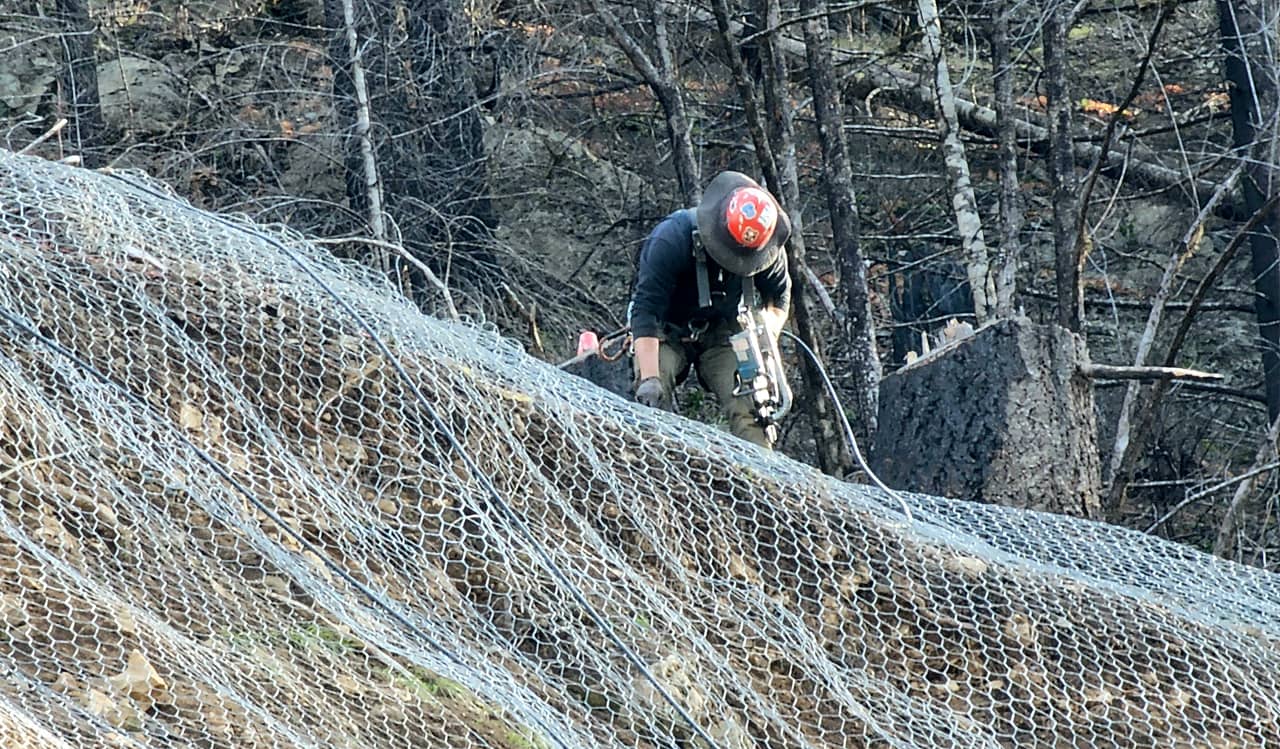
(750, 295)
(700, 261)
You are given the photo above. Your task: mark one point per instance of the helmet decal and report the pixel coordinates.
(751, 216)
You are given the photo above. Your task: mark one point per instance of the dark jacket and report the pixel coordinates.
(666, 290)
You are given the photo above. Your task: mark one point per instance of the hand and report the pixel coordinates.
(774, 321)
(651, 393)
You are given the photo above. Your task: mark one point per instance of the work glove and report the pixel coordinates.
(651, 393)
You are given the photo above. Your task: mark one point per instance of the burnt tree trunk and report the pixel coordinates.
(833, 455)
(837, 178)
(1011, 204)
(79, 82)
(747, 94)
(1004, 416)
(1250, 70)
(659, 74)
(444, 70)
(1062, 164)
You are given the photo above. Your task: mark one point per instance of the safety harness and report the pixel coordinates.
(760, 376)
(750, 296)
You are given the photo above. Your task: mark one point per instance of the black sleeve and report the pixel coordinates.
(662, 258)
(774, 282)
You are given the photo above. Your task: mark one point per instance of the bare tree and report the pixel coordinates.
(1123, 451)
(1146, 416)
(371, 194)
(423, 128)
(661, 77)
(1250, 67)
(1011, 203)
(963, 203)
(833, 454)
(1062, 165)
(837, 177)
(79, 81)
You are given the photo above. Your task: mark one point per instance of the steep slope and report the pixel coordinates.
(250, 497)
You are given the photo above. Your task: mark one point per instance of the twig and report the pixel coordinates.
(1255, 471)
(1225, 544)
(408, 256)
(799, 18)
(820, 291)
(1190, 498)
(533, 327)
(529, 314)
(1111, 372)
(33, 461)
(1142, 304)
(1084, 239)
(61, 123)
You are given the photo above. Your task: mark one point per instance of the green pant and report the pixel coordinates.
(713, 358)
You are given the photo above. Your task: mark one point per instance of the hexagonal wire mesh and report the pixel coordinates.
(250, 497)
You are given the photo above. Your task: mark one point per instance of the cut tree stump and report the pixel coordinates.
(1004, 416)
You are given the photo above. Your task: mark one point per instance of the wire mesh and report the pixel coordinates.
(251, 497)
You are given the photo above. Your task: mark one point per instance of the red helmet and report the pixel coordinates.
(751, 216)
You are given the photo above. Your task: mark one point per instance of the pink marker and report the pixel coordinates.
(587, 341)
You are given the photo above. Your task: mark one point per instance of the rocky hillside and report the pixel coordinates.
(251, 497)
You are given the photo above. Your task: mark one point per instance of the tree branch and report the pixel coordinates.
(1084, 242)
(1263, 462)
(1184, 250)
(409, 257)
(1113, 372)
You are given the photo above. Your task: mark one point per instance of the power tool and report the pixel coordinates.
(760, 375)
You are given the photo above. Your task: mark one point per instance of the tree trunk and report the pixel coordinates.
(661, 79)
(371, 192)
(351, 101)
(1062, 174)
(1123, 446)
(1248, 38)
(428, 143)
(837, 177)
(79, 82)
(455, 177)
(1011, 205)
(678, 126)
(1004, 416)
(963, 202)
(833, 453)
(747, 94)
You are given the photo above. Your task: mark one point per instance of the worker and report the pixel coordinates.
(689, 282)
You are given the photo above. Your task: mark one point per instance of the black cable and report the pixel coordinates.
(844, 424)
(485, 482)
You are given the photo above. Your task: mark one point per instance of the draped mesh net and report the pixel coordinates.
(251, 497)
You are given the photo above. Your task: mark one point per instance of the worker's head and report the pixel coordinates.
(741, 224)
